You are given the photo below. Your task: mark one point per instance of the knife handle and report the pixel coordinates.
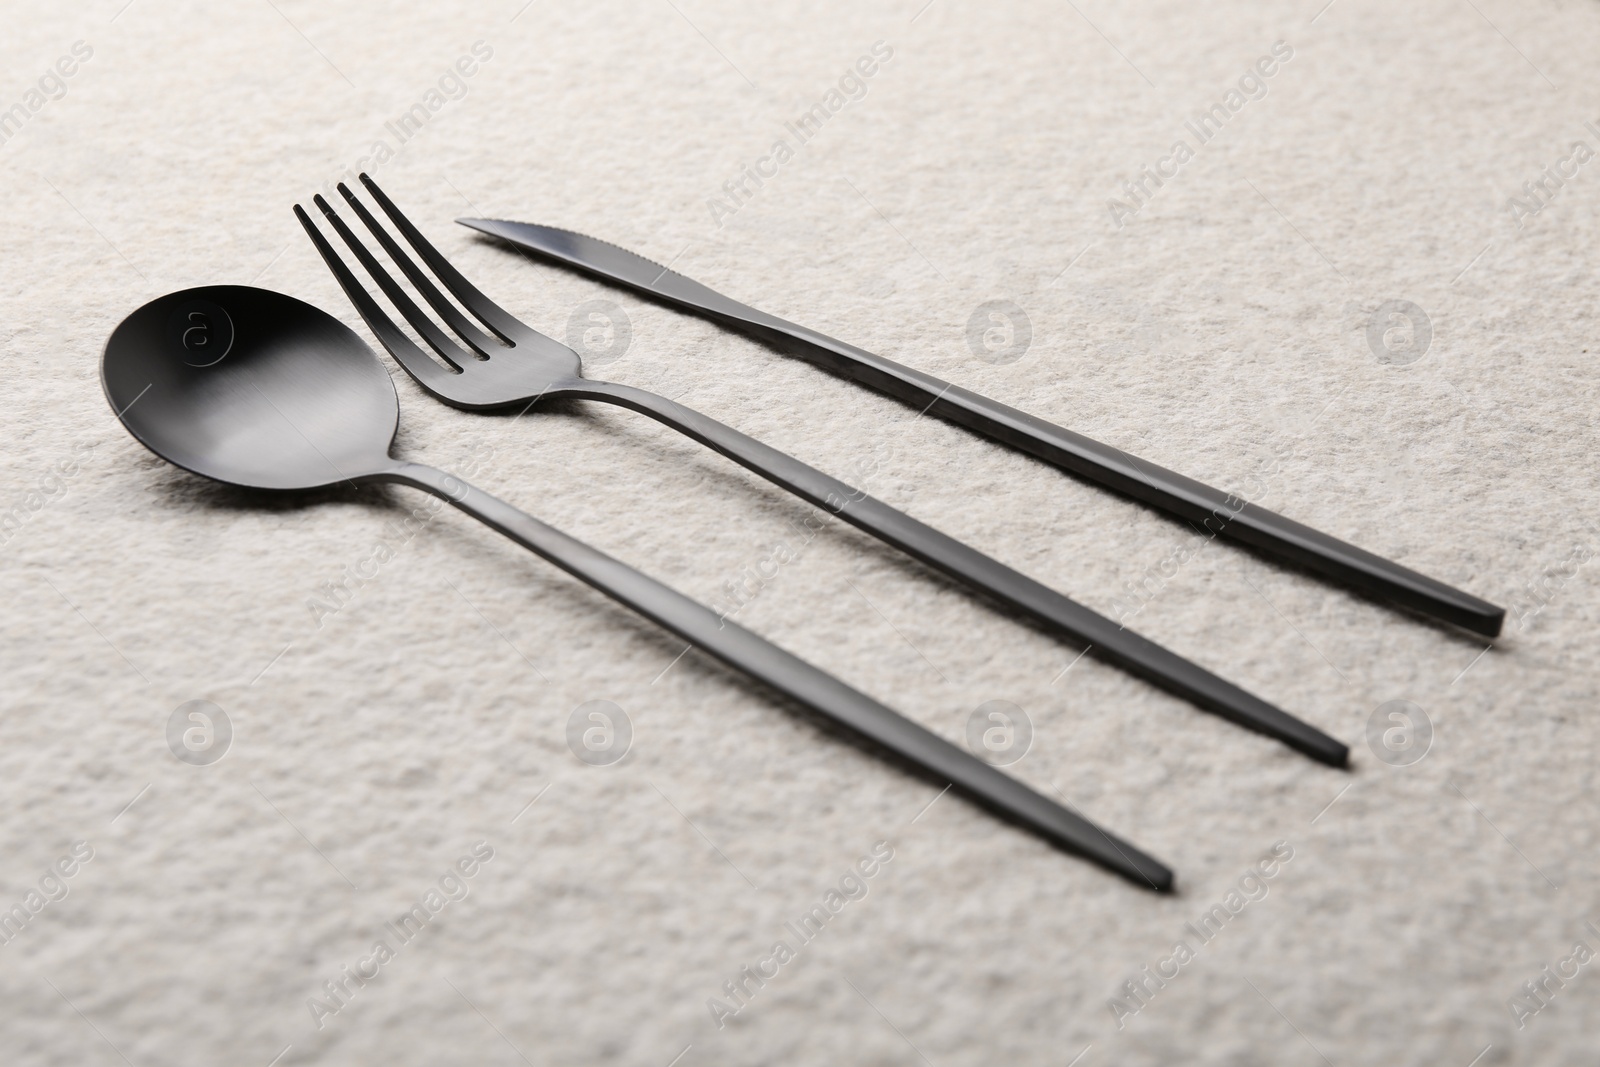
(1221, 513)
(793, 677)
(1107, 640)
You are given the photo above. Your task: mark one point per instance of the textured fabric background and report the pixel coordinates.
(1222, 329)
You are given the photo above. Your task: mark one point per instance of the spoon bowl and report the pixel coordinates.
(251, 387)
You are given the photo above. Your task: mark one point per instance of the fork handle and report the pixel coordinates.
(793, 677)
(1106, 639)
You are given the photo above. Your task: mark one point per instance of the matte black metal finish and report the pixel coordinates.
(1184, 497)
(298, 401)
(488, 375)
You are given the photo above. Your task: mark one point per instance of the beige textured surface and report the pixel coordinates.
(1222, 331)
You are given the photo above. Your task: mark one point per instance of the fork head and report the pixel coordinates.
(492, 362)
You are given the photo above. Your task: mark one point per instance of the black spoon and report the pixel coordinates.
(261, 390)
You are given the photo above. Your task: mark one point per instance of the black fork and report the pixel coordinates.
(519, 365)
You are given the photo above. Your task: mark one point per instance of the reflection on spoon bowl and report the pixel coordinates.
(253, 388)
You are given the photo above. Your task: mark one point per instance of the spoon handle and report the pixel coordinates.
(759, 658)
(1107, 640)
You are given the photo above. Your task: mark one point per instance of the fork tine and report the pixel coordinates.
(468, 330)
(437, 339)
(401, 347)
(492, 314)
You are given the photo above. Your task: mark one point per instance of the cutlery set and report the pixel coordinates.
(258, 389)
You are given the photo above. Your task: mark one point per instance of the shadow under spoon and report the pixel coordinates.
(257, 389)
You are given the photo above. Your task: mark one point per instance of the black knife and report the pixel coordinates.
(1218, 512)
